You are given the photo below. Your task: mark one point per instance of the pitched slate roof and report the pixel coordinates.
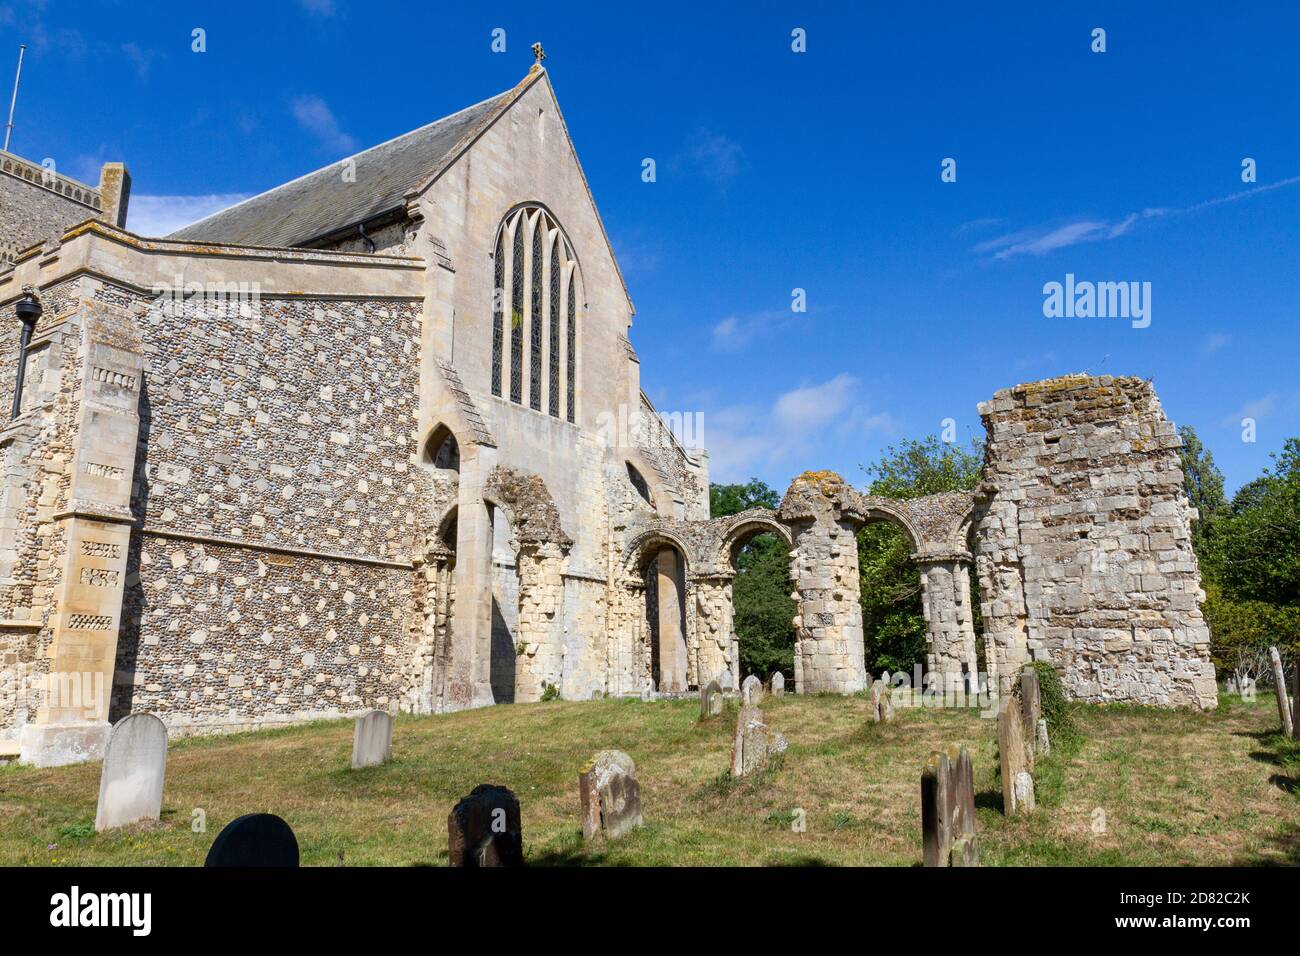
(322, 202)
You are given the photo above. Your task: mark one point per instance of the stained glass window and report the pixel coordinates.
(498, 303)
(573, 339)
(517, 317)
(535, 321)
(553, 328)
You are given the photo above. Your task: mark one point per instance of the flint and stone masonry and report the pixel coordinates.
(300, 460)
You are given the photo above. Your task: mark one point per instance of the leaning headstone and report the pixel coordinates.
(1044, 745)
(1012, 757)
(880, 703)
(1279, 685)
(484, 829)
(131, 782)
(372, 739)
(255, 839)
(1031, 709)
(751, 691)
(609, 795)
(777, 685)
(948, 810)
(710, 700)
(753, 743)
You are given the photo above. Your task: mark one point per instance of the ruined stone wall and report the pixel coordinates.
(1083, 474)
(36, 205)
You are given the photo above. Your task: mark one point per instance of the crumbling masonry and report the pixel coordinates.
(382, 444)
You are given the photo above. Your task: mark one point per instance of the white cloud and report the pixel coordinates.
(1215, 341)
(161, 215)
(314, 115)
(1040, 240)
(1257, 409)
(800, 426)
(712, 155)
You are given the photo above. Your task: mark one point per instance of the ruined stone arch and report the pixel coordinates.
(440, 448)
(643, 548)
(742, 527)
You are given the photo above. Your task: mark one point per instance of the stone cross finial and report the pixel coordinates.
(539, 53)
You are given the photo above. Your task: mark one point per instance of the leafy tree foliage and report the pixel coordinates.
(1204, 484)
(764, 612)
(892, 620)
(1249, 551)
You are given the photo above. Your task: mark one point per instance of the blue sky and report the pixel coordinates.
(779, 170)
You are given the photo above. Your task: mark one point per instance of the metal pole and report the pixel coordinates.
(29, 312)
(9, 129)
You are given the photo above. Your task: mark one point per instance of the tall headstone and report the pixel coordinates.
(610, 795)
(778, 684)
(751, 691)
(255, 839)
(749, 745)
(948, 810)
(1043, 745)
(1013, 759)
(131, 782)
(710, 700)
(1283, 699)
(484, 829)
(726, 681)
(372, 739)
(1031, 709)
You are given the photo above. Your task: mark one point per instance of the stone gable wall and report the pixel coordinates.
(1085, 484)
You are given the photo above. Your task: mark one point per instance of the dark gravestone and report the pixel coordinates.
(255, 839)
(948, 810)
(484, 829)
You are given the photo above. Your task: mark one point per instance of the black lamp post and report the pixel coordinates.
(29, 310)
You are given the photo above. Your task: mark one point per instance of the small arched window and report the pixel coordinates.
(639, 483)
(536, 306)
(441, 450)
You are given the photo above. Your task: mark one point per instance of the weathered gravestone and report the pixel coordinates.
(1031, 709)
(610, 795)
(777, 685)
(881, 704)
(255, 839)
(131, 782)
(948, 810)
(751, 691)
(754, 744)
(1283, 699)
(1017, 796)
(648, 692)
(372, 739)
(726, 681)
(484, 829)
(1042, 745)
(710, 700)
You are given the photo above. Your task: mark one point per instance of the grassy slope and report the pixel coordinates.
(1177, 788)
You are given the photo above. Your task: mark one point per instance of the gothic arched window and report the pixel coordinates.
(543, 290)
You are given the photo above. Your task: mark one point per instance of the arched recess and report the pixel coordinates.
(441, 451)
(658, 564)
(504, 583)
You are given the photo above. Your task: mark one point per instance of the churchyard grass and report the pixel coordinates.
(1172, 787)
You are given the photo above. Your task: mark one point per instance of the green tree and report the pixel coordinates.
(892, 620)
(1204, 484)
(764, 612)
